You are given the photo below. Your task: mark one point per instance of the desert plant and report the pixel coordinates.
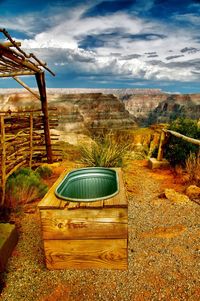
(109, 151)
(44, 171)
(24, 186)
(193, 168)
(177, 150)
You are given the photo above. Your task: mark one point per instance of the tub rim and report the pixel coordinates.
(91, 199)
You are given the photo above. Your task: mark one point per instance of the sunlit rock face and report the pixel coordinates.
(159, 108)
(77, 112)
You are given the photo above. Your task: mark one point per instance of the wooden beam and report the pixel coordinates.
(7, 52)
(40, 78)
(17, 73)
(188, 139)
(10, 44)
(3, 161)
(26, 87)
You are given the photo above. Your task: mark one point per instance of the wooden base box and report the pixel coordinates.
(85, 235)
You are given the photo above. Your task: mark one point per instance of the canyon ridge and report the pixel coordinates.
(80, 110)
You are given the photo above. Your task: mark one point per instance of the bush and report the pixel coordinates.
(24, 186)
(44, 171)
(107, 150)
(177, 150)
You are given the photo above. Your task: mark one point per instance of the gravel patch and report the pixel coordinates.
(163, 254)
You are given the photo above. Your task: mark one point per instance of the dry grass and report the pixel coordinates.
(109, 150)
(193, 168)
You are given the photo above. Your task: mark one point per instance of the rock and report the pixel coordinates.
(8, 240)
(176, 197)
(193, 192)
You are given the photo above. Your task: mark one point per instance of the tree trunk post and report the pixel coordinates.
(161, 146)
(3, 161)
(40, 78)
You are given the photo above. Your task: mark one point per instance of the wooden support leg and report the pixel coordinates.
(42, 89)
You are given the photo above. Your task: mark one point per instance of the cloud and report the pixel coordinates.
(122, 45)
(173, 57)
(189, 50)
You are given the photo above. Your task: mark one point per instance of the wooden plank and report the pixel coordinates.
(119, 200)
(98, 204)
(50, 200)
(73, 205)
(86, 254)
(108, 214)
(8, 241)
(65, 224)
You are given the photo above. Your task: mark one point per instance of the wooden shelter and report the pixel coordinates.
(15, 62)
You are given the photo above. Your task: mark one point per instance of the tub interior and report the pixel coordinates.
(88, 184)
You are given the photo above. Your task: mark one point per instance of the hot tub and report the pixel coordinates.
(79, 233)
(88, 185)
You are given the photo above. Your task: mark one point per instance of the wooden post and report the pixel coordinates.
(31, 139)
(161, 146)
(43, 97)
(3, 161)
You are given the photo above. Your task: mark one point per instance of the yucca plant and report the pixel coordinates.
(109, 151)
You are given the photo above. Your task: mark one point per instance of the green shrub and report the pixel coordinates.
(24, 186)
(44, 171)
(107, 150)
(177, 150)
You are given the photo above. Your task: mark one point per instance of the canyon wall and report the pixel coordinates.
(80, 112)
(77, 113)
(162, 108)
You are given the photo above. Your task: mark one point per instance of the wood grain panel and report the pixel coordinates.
(50, 200)
(120, 199)
(86, 254)
(85, 224)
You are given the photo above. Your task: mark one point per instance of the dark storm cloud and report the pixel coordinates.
(195, 63)
(152, 55)
(192, 64)
(173, 57)
(189, 50)
(131, 56)
(105, 39)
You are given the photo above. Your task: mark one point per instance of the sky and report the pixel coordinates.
(109, 44)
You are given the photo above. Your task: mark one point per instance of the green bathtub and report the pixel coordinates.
(88, 185)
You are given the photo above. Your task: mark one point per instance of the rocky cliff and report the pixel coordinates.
(161, 108)
(77, 112)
